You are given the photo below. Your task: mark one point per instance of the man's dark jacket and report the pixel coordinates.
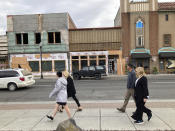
(70, 87)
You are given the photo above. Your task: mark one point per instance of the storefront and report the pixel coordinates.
(78, 60)
(167, 60)
(50, 62)
(140, 57)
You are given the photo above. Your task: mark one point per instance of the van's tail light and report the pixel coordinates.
(22, 78)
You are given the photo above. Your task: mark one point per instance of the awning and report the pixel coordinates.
(167, 52)
(140, 53)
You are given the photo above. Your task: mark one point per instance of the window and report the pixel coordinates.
(4, 74)
(139, 34)
(166, 17)
(75, 57)
(22, 38)
(85, 69)
(34, 65)
(93, 63)
(102, 62)
(167, 39)
(92, 68)
(75, 65)
(60, 65)
(84, 63)
(37, 38)
(54, 37)
(47, 65)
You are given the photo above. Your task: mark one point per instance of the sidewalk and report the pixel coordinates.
(100, 115)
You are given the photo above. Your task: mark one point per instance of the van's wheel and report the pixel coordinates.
(76, 76)
(12, 86)
(97, 76)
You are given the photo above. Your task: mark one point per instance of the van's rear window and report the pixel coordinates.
(26, 73)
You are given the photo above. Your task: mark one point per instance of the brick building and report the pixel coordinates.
(148, 36)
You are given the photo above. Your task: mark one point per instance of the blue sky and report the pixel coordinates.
(85, 13)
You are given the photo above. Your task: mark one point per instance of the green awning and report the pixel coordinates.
(140, 53)
(167, 52)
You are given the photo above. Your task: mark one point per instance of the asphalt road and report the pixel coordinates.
(88, 90)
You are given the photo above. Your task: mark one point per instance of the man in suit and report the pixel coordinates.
(130, 87)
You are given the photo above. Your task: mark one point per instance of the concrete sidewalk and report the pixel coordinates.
(89, 119)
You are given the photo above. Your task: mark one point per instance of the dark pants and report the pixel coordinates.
(140, 109)
(76, 100)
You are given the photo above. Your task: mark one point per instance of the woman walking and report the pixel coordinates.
(141, 95)
(71, 89)
(60, 91)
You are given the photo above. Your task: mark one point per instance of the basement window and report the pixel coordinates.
(37, 38)
(54, 37)
(21, 38)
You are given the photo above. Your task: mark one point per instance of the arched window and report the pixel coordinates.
(139, 33)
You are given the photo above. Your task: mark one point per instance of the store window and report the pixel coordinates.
(34, 65)
(60, 65)
(84, 63)
(93, 63)
(102, 62)
(75, 65)
(47, 65)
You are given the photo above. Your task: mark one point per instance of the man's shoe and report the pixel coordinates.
(121, 110)
(50, 117)
(149, 116)
(139, 122)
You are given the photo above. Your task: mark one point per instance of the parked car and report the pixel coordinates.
(15, 78)
(90, 71)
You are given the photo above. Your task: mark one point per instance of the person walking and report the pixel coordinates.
(71, 89)
(130, 87)
(60, 91)
(141, 96)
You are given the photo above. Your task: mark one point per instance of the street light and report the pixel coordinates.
(40, 45)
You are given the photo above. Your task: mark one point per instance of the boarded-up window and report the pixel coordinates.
(60, 65)
(54, 37)
(47, 66)
(34, 65)
(37, 38)
(167, 39)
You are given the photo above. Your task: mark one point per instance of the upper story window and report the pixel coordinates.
(21, 38)
(54, 37)
(37, 38)
(166, 17)
(139, 33)
(167, 39)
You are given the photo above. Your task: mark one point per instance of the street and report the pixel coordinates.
(88, 90)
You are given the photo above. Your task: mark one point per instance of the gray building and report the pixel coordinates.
(28, 35)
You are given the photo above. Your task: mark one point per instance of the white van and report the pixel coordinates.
(15, 78)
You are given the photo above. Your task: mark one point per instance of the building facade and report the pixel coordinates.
(3, 52)
(96, 46)
(39, 37)
(147, 33)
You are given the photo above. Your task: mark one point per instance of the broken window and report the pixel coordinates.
(50, 37)
(37, 38)
(25, 38)
(54, 37)
(57, 37)
(18, 38)
(22, 38)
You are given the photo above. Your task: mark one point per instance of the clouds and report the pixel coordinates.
(85, 13)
